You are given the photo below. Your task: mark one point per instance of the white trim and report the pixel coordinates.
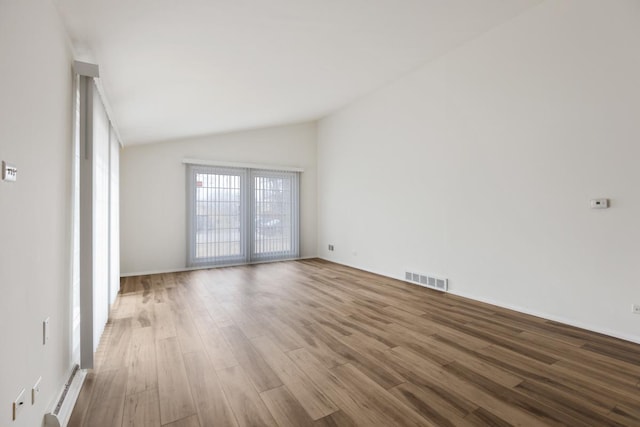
(569, 322)
(202, 162)
(61, 419)
(546, 316)
(180, 270)
(87, 69)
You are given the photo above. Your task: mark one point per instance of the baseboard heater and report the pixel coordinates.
(432, 282)
(59, 416)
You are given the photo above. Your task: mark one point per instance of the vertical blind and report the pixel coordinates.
(75, 226)
(114, 217)
(101, 178)
(274, 206)
(218, 214)
(240, 215)
(95, 220)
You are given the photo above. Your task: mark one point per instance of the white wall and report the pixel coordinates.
(479, 167)
(153, 198)
(35, 135)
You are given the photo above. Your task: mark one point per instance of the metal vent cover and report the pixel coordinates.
(427, 281)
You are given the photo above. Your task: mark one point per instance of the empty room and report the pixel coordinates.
(319, 213)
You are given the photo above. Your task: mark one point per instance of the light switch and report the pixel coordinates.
(35, 390)
(45, 331)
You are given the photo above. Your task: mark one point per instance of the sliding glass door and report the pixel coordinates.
(218, 213)
(240, 215)
(275, 221)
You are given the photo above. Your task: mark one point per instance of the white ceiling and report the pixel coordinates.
(179, 68)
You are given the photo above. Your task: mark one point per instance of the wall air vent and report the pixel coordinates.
(427, 281)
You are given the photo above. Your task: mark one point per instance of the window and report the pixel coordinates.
(240, 215)
(274, 207)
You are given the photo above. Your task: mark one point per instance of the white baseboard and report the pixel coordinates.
(180, 270)
(547, 316)
(541, 314)
(59, 416)
(163, 271)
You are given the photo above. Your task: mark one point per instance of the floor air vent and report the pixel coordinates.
(427, 281)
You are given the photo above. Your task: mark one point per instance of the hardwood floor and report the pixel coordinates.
(311, 343)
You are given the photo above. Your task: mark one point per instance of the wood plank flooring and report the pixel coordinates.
(312, 343)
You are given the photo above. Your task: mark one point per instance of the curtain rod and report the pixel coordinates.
(241, 165)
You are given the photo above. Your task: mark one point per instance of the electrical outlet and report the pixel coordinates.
(18, 404)
(599, 203)
(35, 390)
(635, 308)
(331, 247)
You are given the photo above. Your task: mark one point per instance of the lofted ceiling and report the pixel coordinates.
(178, 68)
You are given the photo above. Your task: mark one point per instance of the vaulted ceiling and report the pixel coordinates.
(177, 68)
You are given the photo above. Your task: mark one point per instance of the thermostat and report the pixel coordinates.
(9, 172)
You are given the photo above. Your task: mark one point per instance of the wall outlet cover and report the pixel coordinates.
(599, 203)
